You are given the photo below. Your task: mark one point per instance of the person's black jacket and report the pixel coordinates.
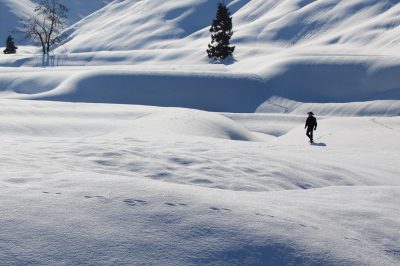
(311, 122)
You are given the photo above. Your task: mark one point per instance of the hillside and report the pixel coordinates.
(13, 11)
(158, 24)
(303, 51)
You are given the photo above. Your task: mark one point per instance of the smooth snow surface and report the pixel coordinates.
(126, 145)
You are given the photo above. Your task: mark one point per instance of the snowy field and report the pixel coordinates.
(117, 184)
(126, 146)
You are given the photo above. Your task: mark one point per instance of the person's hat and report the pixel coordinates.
(310, 113)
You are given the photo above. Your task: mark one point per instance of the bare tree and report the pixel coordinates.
(46, 27)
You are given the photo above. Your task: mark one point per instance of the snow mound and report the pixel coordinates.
(194, 123)
(41, 119)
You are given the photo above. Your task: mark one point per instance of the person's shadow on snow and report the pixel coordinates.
(320, 144)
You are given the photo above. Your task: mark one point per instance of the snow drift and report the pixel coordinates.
(338, 84)
(230, 93)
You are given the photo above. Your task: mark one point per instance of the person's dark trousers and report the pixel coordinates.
(310, 131)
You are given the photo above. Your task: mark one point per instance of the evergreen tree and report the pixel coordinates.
(10, 46)
(221, 29)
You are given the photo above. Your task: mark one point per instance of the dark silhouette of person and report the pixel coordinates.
(311, 125)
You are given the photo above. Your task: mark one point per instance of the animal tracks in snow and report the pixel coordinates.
(175, 204)
(135, 202)
(101, 198)
(287, 220)
(47, 192)
(393, 252)
(351, 238)
(220, 209)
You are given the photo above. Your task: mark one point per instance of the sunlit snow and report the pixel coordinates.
(127, 146)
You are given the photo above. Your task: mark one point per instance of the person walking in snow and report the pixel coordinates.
(311, 125)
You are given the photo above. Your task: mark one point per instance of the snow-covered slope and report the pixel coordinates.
(132, 25)
(303, 51)
(79, 9)
(129, 25)
(348, 47)
(355, 23)
(13, 11)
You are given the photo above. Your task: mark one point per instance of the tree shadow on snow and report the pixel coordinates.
(230, 60)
